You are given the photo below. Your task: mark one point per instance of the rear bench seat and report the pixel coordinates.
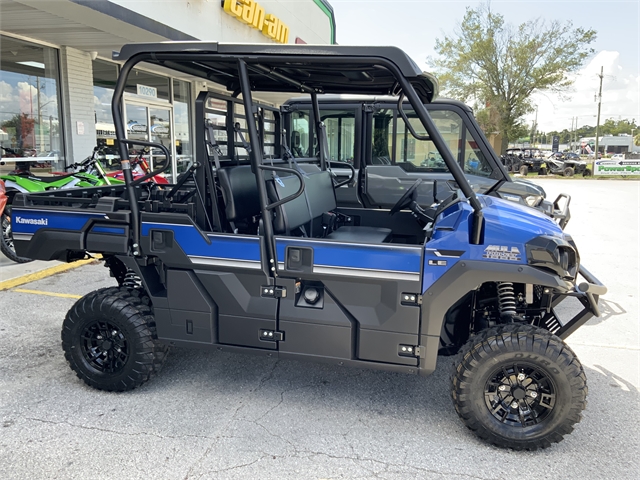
(239, 192)
(242, 202)
(319, 198)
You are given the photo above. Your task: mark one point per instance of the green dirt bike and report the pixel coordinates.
(88, 173)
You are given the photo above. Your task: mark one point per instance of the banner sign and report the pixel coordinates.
(616, 166)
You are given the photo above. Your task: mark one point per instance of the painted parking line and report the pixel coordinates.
(47, 272)
(50, 294)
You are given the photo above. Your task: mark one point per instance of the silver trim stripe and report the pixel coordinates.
(226, 262)
(363, 272)
(22, 236)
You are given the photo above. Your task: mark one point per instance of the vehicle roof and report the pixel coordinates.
(373, 99)
(321, 68)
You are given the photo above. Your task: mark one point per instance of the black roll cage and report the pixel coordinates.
(194, 62)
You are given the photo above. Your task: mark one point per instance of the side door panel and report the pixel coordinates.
(360, 307)
(214, 284)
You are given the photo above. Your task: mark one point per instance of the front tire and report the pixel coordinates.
(519, 386)
(108, 338)
(568, 172)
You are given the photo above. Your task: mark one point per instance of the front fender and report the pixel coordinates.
(467, 275)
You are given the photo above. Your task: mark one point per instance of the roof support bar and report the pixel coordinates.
(118, 121)
(271, 72)
(442, 147)
(256, 161)
(321, 133)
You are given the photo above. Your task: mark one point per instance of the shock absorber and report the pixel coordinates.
(506, 300)
(131, 280)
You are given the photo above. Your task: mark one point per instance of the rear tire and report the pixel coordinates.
(568, 172)
(586, 173)
(524, 170)
(6, 241)
(519, 386)
(109, 339)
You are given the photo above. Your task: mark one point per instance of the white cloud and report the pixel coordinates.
(620, 96)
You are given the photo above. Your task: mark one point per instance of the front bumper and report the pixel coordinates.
(587, 293)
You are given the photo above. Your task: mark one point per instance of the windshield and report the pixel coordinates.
(393, 143)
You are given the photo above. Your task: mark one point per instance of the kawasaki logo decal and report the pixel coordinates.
(31, 221)
(502, 252)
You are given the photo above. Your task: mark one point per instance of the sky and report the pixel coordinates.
(414, 26)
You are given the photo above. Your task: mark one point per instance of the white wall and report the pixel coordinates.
(206, 19)
(77, 91)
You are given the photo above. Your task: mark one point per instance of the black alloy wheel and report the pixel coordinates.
(520, 395)
(104, 347)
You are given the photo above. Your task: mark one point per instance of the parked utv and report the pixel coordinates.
(367, 131)
(250, 252)
(524, 161)
(567, 165)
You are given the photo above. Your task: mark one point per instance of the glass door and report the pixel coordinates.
(161, 132)
(151, 123)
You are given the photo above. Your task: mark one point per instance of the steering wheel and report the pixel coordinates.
(407, 198)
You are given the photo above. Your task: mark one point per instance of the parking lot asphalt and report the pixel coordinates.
(210, 414)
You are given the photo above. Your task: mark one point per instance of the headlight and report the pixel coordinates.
(555, 254)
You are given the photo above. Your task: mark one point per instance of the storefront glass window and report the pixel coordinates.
(147, 86)
(181, 114)
(30, 119)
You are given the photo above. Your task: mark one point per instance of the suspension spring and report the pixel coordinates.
(131, 280)
(506, 299)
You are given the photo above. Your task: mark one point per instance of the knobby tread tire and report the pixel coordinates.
(484, 351)
(6, 249)
(131, 310)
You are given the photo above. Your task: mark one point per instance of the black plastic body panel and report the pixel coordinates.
(245, 331)
(192, 314)
(317, 340)
(383, 346)
(242, 312)
(49, 244)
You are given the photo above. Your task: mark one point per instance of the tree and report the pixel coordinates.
(489, 62)
(22, 127)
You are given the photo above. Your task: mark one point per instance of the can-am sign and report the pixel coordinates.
(253, 14)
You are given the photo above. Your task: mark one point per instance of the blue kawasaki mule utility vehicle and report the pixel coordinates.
(250, 252)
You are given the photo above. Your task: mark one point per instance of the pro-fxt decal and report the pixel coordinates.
(502, 252)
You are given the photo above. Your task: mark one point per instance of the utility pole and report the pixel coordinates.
(595, 154)
(571, 135)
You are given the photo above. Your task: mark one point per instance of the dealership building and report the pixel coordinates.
(57, 74)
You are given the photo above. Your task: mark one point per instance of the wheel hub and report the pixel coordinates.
(520, 395)
(104, 347)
